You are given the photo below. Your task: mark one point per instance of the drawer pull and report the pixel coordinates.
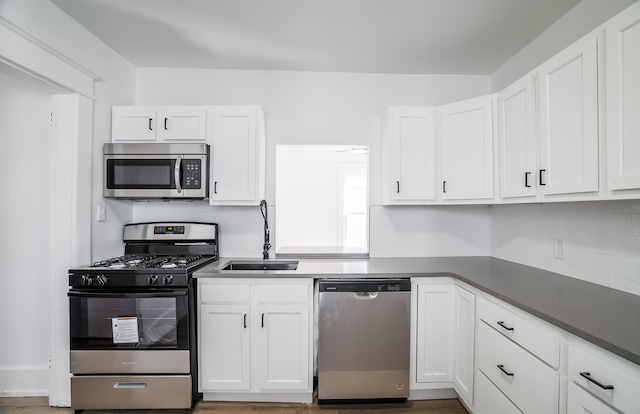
(587, 375)
(502, 325)
(504, 371)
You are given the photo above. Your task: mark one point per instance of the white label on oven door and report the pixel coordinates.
(125, 330)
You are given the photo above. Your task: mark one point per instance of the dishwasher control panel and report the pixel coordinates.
(364, 285)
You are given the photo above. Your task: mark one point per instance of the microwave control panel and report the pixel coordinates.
(192, 173)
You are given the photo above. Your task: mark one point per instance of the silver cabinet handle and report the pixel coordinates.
(176, 173)
(129, 385)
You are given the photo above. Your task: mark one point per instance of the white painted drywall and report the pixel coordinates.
(319, 108)
(25, 249)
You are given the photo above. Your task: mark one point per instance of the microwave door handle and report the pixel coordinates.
(177, 174)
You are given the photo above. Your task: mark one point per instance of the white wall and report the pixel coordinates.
(25, 109)
(318, 108)
(59, 49)
(582, 19)
(601, 239)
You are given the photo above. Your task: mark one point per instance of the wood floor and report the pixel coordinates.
(40, 406)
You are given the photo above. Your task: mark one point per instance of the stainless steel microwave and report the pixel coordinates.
(156, 171)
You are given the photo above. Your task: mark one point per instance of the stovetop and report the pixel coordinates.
(135, 262)
(156, 255)
(139, 270)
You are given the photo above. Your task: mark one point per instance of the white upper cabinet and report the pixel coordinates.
(622, 35)
(133, 123)
(182, 123)
(158, 123)
(517, 139)
(237, 156)
(466, 148)
(409, 155)
(568, 116)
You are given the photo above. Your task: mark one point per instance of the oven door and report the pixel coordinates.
(129, 320)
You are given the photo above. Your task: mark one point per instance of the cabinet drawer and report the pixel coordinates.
(284, 293)
(218, 293)
(538, 340)
(489, 399)
(624, 395)
(530, 384)
(581, 402)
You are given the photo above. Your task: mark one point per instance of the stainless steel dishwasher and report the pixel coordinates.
(363, 340)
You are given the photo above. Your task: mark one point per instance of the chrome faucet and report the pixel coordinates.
(266, 246)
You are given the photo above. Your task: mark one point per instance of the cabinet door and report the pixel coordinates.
(224, 343)
(182, 123)
(623, 99)
(581, 402)
(517, 139)
(464, 341)
(133, 123)
(568, 109)
(410, 156)
(282, 347)
(237, 153)
(466, 142)
(434, 357)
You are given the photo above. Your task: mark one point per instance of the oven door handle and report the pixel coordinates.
(155, 294)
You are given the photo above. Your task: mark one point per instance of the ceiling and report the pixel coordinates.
(377, 36)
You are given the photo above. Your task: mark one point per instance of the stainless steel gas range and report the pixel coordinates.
(132, 319)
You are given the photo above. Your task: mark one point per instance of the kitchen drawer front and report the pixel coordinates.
(580, 401)
(224, 293)
(532, 387)
(293, 293)
(489, 399)
(129, 392)
(537, 339)
(625, 395)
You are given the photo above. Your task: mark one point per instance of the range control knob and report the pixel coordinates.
(102, 280)
(167, 280)
(87, 280)
(153, 280)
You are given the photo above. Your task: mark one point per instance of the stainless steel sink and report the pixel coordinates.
(261, 265)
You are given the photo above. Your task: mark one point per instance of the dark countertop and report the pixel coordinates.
(606, 317)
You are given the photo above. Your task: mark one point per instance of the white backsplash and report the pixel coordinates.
(429, 231)
(600, 240)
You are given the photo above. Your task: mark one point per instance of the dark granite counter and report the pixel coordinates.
(606, 317)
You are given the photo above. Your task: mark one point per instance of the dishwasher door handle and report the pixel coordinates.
(365, 295)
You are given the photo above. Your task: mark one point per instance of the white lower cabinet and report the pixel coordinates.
(255, 339)
(604, 380)
(464, 342)
(490, 400)
(443, 340)
(529, 383)
(435, 327)
(580, 401)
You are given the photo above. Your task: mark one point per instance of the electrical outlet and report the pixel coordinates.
(558, 248)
